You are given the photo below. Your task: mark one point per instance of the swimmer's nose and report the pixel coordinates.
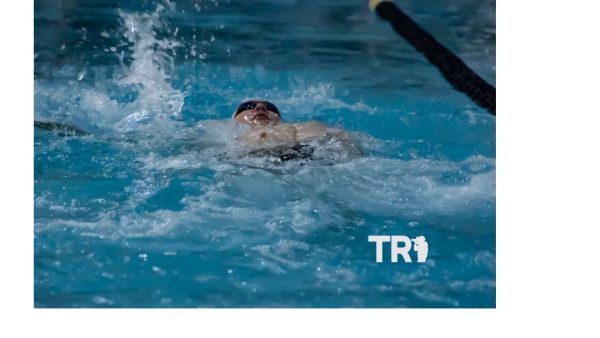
(261, 106)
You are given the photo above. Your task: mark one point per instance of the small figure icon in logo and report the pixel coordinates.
(421, 247)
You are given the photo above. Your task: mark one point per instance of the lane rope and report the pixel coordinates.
(454, 70)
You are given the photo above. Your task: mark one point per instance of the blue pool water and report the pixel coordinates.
(147, 212)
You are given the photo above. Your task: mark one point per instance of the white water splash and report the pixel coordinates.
(146, 77)
(149, 72)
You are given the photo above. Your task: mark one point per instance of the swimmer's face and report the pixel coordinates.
(257, 113)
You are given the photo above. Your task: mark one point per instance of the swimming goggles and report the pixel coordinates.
(252, 104)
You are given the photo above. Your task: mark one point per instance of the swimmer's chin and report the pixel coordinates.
(260, 117)
(262, 121)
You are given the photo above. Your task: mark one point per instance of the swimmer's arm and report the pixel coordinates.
(63, 129)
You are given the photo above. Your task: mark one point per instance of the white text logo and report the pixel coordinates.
(401, 245)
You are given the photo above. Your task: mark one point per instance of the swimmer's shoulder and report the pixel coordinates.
(313, 129)
(310, 125)
(310, 129)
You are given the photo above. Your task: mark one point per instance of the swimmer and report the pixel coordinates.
(269, 137)
(267, 129)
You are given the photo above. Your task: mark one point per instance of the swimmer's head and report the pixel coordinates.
(257, 113)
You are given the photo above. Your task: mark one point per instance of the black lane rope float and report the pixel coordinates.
(62, 129)
(454, 70)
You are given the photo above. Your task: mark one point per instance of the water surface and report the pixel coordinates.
(144, 212)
